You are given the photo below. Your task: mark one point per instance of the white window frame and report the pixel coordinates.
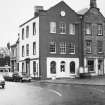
(34, 48)
(62, 47)
(34, 28)
(52, 43)
(72, 29)
(27, 49)
(23, 51)
(27, 31)
(22, 33)
(52, 27)
(71, 47)
(53, 67)
(88, 28)
(62, 28)
(89, 47)
(99, 47)
(99, 29)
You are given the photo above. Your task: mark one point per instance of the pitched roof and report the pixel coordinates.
(82, 11)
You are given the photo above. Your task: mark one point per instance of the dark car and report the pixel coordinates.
(17, 77)
(2, 81)
(8, 76)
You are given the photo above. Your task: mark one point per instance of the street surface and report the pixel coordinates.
(36, 93)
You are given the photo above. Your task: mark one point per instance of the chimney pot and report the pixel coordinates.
(93, 4)
(37, 9)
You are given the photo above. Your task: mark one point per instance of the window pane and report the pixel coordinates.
(52, 46)
(23, 34)
(52, 27)
(62, 48)
(34, 28)
(27, 31)
(23, 68)
(88, 28)
(27, 49)
(88, 46)
(72, 29)
(71, 48)
(100, 30)
(99, 46)
(90, 65)
(34, 48)
(53, 67)
(22, 51)
(62, 28)
(34, 66)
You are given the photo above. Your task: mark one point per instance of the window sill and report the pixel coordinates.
(62, 33)
(100, 53)
(72, 53)
(52, 32)
(91, 71)
(100, 35)
(88, 34)
(52, 52)
(88, 52)
(72, 34)
(63, 53)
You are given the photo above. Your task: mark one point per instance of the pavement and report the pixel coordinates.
(99, 81)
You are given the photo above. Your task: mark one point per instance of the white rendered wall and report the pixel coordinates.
(67, 67)
(32, 38)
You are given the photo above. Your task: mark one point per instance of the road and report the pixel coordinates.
(35, 93)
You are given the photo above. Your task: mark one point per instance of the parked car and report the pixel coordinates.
(8, 76)
(26, 78)
(2, 81)
(17, 76)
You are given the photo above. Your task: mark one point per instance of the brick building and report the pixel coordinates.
(50, 42)
(93, 35)
(57, 41)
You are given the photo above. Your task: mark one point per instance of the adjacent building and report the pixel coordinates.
(57, 41)
(14, 56)
(93, 35)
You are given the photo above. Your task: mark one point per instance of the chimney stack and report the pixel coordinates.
(93, 4)
(37, 9)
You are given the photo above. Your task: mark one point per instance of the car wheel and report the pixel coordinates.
(29, 80)
(3, 86)
(20, 80)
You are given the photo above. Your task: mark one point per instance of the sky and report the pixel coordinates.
(15, 12)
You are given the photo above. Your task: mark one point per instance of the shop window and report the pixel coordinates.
(90, 65)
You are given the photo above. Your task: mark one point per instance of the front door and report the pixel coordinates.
(100, 67)
(62, 68)
(28, 68)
